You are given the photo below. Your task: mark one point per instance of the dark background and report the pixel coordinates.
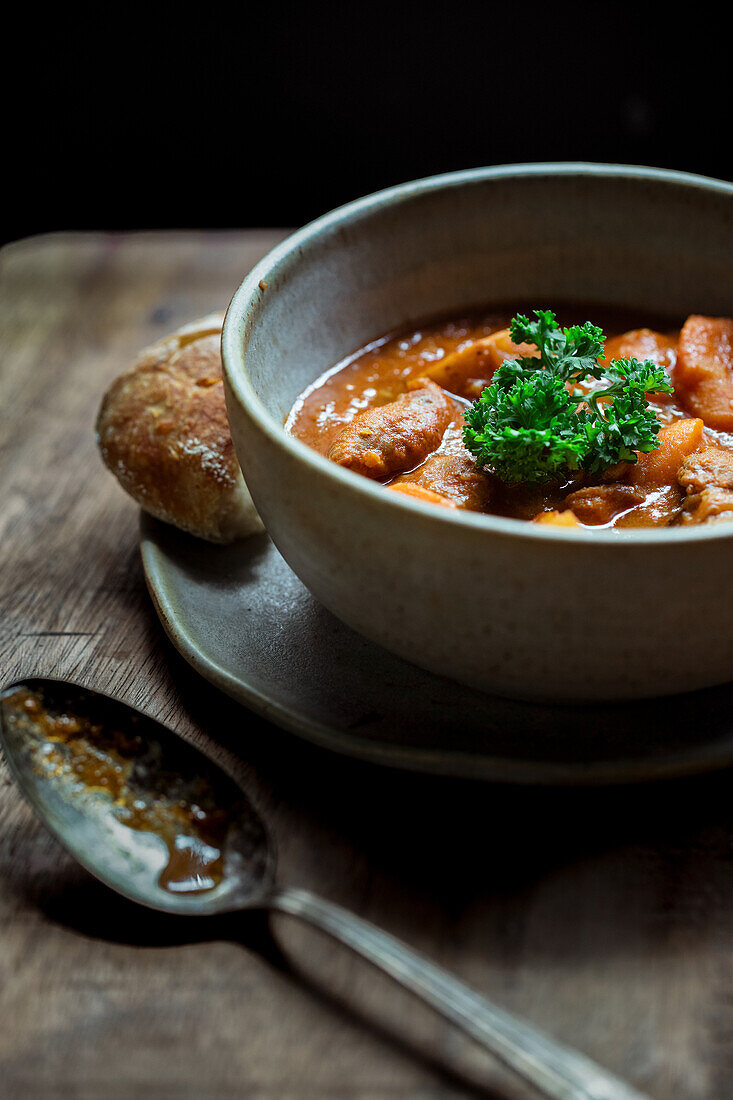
(270, 114)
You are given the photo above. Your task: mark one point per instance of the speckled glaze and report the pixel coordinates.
(508, 607)
(243, 620)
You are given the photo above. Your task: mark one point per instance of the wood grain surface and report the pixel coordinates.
(605, 916)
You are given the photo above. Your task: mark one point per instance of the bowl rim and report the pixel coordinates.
(243, 306)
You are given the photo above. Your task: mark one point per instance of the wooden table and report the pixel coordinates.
(606, 916)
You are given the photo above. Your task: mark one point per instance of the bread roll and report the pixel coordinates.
(163, 431)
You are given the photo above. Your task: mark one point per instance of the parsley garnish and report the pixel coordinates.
(533, 423)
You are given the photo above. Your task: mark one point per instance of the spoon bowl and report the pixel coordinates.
(156, 820)
(152, 817)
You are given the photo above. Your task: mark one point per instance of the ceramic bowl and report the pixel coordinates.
(513, 608)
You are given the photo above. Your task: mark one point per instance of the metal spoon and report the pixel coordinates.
(159, 822)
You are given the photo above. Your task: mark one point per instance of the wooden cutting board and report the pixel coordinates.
(605, 916)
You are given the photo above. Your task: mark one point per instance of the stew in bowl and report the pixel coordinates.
(402, 411)
(535, 512)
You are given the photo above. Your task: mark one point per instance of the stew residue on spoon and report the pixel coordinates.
(110, 762)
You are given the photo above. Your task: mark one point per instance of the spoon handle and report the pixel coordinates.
(558, 1071)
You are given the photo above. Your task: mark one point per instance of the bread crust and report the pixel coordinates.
(163, 432)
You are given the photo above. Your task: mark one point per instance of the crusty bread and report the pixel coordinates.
(163, 431)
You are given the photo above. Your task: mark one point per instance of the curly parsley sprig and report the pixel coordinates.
(533, 423)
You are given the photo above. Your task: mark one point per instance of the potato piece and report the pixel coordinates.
(644, 343)
(468, 371)
(558, 519)
(704, 373)
(389, 439)
(676, 442)
(419, 492)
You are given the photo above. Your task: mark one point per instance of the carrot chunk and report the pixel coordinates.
(704, 373)
(644, 343)
(677, 441)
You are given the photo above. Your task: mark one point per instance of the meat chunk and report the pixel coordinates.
(453, 476)
(708, 506)
(659, 508)
(528, 501)
(390, 439)
(598, 504)
(644, 343)
(704, 373)
(469, 370)
(713, 466)
(707, 478)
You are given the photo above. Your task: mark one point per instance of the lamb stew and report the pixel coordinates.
(500, 414)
